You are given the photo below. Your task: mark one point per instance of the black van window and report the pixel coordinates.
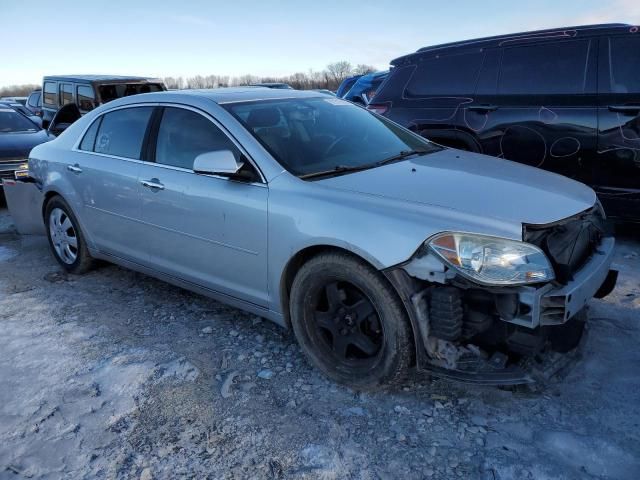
(122, 132)
(445, 75)
(551, 68)
(624, 68)
(49, 97)
(66, 94)
(86, 98)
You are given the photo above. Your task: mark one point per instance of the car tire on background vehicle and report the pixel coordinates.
(350, 323)
(65, 237)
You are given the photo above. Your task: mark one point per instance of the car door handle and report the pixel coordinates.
(626, 109)
(74, 168)
(153, 184)
(483, 108)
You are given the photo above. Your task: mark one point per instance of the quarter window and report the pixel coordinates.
(49, 97)
(446, 75)
(89, 140)
(552, 68)
(624, 67)
(121, 132)
(184, 134)
(86, 98)
(34, 99)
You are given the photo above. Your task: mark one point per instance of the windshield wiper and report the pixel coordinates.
(400, 156)
(338, 169)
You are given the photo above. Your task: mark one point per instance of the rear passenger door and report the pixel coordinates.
(205, 229)
(617, 179)
(104, 171)
(539, 108)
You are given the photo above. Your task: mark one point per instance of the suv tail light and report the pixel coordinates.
(379, 108)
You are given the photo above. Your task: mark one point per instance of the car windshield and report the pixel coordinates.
(12, 121)
(314, 135)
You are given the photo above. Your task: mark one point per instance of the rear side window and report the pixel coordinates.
(184, 134)
(86, 98)
(34, 99)
(121, 133)
(552, 68)
(445, 75)
(624, 67)
(49, 95)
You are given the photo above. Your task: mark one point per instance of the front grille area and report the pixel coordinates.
(7, 169)
(569, 243)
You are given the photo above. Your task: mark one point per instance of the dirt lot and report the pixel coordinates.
(117, 375)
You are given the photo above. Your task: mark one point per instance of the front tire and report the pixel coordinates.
(65, 237)
(350, 323)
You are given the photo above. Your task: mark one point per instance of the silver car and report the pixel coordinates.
(382, 251)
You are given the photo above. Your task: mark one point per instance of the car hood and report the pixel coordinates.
(18, 145)
(474, 184)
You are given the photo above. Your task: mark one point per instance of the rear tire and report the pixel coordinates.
(65, 237)
(350, 323)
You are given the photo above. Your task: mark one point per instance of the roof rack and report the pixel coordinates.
(601, 26)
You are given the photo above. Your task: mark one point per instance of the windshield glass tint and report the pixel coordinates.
(320, 134)
(12, 121)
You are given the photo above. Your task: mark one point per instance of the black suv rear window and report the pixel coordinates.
(624, 68)
(552, 68)
(445, 75)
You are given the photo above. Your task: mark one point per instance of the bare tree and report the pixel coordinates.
(18, 90)
(338, 71)
(362, 69)
(329, 78)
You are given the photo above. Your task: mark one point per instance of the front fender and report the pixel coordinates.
(382, 231)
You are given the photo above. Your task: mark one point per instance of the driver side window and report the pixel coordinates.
(184, 134)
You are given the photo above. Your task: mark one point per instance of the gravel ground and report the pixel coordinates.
(117, 375)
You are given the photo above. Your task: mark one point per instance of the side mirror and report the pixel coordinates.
(219, 162)
(63, 118)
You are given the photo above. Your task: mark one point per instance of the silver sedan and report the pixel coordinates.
(380, 249)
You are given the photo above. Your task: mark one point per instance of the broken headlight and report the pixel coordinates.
(492, 260)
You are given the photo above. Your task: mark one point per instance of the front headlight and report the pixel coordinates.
(492, 260)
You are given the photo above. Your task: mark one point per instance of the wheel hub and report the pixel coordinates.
(351, 322)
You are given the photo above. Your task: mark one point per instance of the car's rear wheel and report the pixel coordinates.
(65, 237)
(350, 322)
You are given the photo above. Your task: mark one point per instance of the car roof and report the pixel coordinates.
(240, 94)
(99, 78)
(498, 40)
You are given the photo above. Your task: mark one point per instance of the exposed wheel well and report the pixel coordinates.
(48, 196)
(294, 265)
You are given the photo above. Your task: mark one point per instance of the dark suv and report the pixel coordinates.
(89, 91)
(565, 100)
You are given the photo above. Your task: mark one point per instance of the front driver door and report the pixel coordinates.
(208, 230)
(618, 162)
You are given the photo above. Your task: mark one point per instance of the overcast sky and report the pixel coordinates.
(190, 37)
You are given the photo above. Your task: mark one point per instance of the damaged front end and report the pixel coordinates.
(495, 311)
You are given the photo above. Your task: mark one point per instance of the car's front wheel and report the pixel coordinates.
(350, 322)
(65, 237)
